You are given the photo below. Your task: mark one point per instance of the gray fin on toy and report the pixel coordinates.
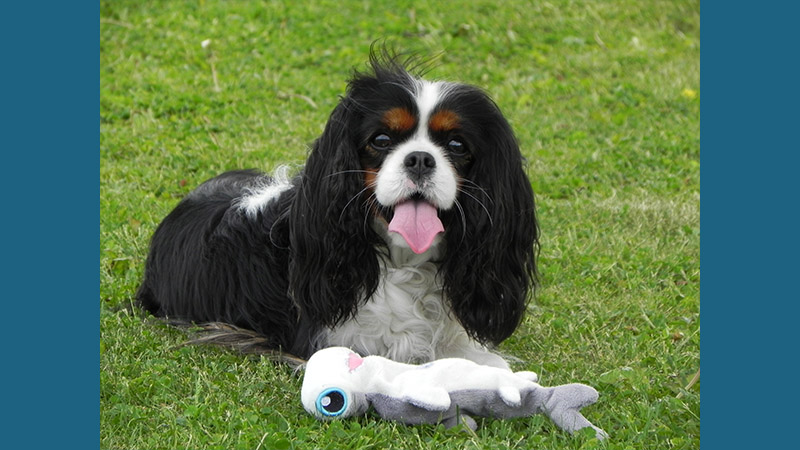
(563, 407)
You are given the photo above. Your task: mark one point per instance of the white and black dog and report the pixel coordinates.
(410, 232)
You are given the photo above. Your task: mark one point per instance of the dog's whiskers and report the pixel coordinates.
(369, 186)
(370, 203)
(475, 186)
(346, 171)
(486, 210)
(463, 222)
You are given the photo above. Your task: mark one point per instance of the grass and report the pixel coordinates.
(604, 97)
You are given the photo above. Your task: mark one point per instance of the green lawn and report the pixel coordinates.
(604, 98)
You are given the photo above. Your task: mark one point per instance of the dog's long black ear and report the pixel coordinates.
(333, 263)
(491, 262)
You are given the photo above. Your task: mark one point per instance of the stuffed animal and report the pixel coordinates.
(340, 383)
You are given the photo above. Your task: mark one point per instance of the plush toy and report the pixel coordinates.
(340, 383)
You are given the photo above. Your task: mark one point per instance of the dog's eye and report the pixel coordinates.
(381, 141)
(457, 147)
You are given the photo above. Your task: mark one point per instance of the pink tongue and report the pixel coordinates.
(417, 222)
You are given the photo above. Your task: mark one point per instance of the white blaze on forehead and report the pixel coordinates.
(429, 94)
(427, 98)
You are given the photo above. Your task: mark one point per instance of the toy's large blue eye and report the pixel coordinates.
(332, 402)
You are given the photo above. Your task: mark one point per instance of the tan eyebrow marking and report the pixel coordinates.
(444, 120)
(399, 119)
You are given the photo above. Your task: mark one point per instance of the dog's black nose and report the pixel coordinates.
(419, 165)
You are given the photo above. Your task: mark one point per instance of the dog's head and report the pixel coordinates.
(418, 163)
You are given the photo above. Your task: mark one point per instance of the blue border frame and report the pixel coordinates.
(50, 223)
(749, 244)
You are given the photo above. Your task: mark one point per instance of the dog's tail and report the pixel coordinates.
(242, 340)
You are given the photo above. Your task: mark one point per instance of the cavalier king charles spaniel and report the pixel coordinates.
(410, 232)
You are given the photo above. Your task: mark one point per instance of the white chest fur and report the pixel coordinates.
(408, 319)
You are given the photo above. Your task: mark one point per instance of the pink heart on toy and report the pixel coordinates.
(354, 361)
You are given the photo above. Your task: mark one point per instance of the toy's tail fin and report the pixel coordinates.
(563, 407)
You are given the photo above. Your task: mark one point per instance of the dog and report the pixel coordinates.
(409, 233)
